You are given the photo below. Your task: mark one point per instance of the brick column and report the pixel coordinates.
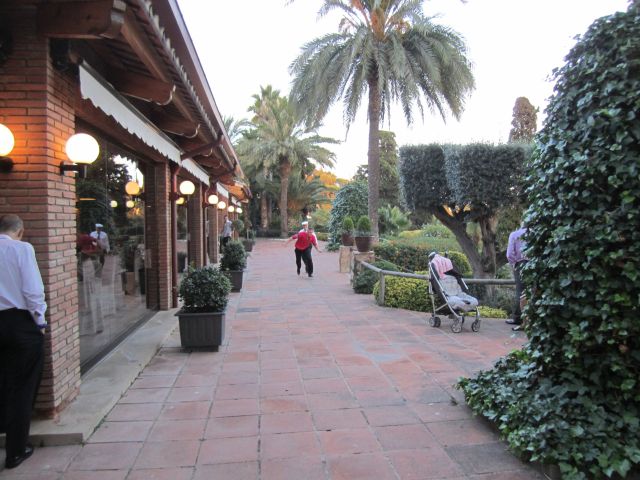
(212, 215)
(158, 236)
(36, 103)
(195, 221)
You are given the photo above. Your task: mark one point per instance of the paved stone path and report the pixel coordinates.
(315, 382)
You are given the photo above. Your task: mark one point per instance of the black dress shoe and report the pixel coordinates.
(511, 321)
(18, 459)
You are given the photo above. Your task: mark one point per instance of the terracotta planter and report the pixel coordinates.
(347, 239)
(235, 276)
(204, 329)
(363, 244)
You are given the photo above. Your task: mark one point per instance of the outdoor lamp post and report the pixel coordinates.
(82, 149)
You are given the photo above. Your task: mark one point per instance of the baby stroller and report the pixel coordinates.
(447, 284)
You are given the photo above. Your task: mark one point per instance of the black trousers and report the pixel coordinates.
(21, 361)
(304, 256)
(517, 313)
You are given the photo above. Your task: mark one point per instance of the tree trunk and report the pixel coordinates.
(285, 171)
(488, 229)
(466, 243)
(374, 152)
(264, 211)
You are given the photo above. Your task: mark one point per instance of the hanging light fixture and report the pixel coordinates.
(187, 187)
(221, 205)
(114, 204)
(132, 188)
(213, 199)
(82, 149)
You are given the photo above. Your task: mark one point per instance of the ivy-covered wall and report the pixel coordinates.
(572, 396)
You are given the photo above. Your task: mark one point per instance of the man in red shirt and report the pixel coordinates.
(305, 241)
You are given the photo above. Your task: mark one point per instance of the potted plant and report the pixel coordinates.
(249, 240)
(233, 261)
(363, 236)
(128, 259)
(204, 293)
(347, 231)
(238, 226)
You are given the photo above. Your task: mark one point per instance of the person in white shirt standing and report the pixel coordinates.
(22, 328)
(102, 239)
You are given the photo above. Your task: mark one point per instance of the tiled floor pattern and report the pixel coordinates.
(314, 382)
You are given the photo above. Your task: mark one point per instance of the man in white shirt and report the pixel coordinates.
(102, 239)
(22, 326)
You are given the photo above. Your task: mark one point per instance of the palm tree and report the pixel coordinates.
(389, 49)
(306, 192)
(279, 142)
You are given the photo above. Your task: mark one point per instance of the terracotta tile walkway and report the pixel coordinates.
(314, 383)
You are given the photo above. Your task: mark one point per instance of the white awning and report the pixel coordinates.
(221, 190)
(100, 92)
(196, 170)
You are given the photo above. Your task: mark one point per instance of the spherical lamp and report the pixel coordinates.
(132, 188)
(221, 205)
(239, 209)
(7, 141)
(130, 204)
(213, 199)
(82, 148)
(231, 209)
(187, 187)
(114, 204)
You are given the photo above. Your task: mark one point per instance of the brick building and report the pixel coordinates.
(127, 74)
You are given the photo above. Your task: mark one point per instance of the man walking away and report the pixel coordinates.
(517, 259)
(22, 325)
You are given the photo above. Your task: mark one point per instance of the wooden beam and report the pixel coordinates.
(141, 86)
(176, 125)
(91, 19)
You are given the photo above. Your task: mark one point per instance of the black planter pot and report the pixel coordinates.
(363, 244)
(347, 239)
(236, 279)
(201, 329)
(248, 244)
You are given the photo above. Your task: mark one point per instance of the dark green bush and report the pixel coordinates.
(204, 289)
(238, 225)
(364, 281)
(347, 225)
(351, 200)
(234, 256)
(407, 293)
(571, 397)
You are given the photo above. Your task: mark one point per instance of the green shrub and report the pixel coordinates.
(410, 234)
(571, 397)
(204, 289)
(364, 281)
(363, 228)
(488, 312)
(407, 293)
(234, 256)
(436, 230)
(238, 225)
(412, 258)
(347, 224)
(351, 200)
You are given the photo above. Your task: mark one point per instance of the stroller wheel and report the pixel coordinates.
(456, 327)
(434, 321)
(475, 326)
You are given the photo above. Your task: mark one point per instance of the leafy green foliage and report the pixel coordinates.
(391, 220)
(347, 225)
(489, 312)
(366, 279)
(363, 227)
(234, 256)
(407, 293)
(413, 258)
(204, 289)
(238, 225)
(389, 177)
(524, 121)
(351, 200)
(572, 396)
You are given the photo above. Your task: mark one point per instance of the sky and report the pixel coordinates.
(514, 46)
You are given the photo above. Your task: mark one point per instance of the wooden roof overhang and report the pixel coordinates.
(143, 51)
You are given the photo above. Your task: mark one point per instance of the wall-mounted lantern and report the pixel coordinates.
(213, 199)
(222, 205)
(114, 203)
(132, 188)
(231, 209)
(7, 143)
(82, 149)
(187, 187)
(130, 204)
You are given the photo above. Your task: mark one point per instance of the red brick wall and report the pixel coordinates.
(195, 222)
(36, 103)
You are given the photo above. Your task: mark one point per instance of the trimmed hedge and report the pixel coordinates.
(407, 293)
(412, 258)
(365, 280)
(571, 397)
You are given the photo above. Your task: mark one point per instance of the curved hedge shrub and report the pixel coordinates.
(571, 397)
(407, 293)
(365, 280)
